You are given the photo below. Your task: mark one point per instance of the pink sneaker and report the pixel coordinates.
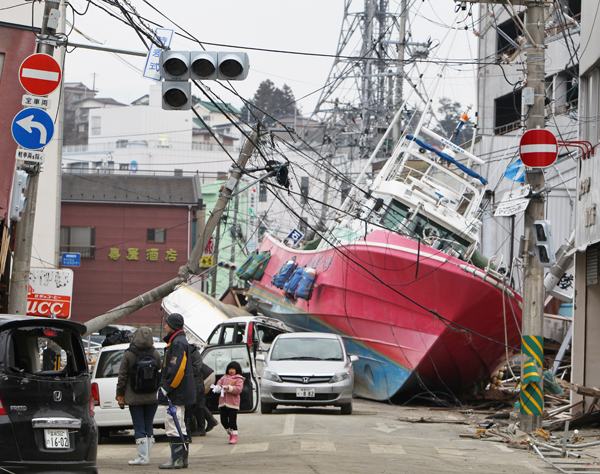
(233, 437)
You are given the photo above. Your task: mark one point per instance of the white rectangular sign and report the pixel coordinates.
(510, 208)
(50, 292)
(516, 194)
(30, 155)
(35, 101)
(152, 70)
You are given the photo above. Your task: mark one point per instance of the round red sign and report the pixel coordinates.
(538, 148)
(40, 74)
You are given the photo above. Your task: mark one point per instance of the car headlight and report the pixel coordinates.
(270, 375)
(339, 377)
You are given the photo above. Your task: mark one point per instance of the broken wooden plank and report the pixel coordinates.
(579, 389)
(563, 409)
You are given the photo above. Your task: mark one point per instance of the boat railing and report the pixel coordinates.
(436, 190)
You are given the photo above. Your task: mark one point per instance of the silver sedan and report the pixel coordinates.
(307, 369)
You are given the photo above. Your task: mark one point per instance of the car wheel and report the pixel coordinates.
(347, 409)
(266, 408)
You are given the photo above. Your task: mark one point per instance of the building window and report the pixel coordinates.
(509, 38)
(122, 143)
(1, 64)
(96, 126)
(157, 235)
(508, 113)
(80, 167)
(124, 166)
(78, 240)
(304, 189)
(262, 193)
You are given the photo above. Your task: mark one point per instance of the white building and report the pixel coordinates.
(501, 117)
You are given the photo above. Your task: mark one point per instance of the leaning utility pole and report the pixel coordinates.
(532, 345)
(19, 281)
(193, 264)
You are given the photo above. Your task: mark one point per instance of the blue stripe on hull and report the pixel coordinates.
(376, 376)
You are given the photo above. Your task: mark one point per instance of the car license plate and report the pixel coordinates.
(305, 392)
(57, 439)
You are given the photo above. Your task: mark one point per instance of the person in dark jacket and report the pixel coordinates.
(208, 374)
(196, 410)
(142, 406)
(177, 383)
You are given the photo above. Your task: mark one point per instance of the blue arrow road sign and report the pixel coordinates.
(32, 128)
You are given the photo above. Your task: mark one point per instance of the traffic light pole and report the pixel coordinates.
(533, 277)
(19, 281)
(193, 264)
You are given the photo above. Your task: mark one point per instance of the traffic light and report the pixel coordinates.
(18, 200)
(544, 247)
(177, 67)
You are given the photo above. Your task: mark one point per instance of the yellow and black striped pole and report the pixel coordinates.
(532, 393)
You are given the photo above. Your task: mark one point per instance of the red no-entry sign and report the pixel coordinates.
(538, 148)
(40, 74)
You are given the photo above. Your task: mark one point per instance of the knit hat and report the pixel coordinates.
(175, 321)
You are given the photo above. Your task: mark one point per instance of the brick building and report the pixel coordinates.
(133, 233)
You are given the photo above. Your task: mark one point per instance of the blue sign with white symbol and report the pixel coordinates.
(134, 166)
(71, 259)
(32, 128)
(295, 236)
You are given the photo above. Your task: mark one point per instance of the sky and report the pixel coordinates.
(310, 26)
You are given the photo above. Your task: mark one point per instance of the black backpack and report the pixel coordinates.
(145, 373)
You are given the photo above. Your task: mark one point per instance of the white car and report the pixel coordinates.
(108, 415)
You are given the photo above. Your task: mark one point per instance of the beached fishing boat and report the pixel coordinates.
(399, 278)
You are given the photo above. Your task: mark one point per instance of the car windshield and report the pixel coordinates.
(307, 349)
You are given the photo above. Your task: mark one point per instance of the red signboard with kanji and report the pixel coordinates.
(538, 148)
(40, 74)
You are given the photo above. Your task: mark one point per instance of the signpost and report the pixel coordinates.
(538, 148)
(513, 202)
(32, 128)
(40, 74)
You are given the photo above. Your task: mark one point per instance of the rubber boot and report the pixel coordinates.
(186, 452)
(233, 437)
(212, 421)
(143, 454)
(177, 453)
(200, 422)
(150, 445)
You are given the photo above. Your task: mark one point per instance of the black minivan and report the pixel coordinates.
(46, 410)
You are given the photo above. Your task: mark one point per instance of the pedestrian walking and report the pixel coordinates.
(136, 387)
(230, 386)
(177, 386)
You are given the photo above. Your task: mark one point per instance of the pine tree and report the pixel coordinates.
(270, 102)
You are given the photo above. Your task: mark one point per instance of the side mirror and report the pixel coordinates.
(260, 357)
(353, 358)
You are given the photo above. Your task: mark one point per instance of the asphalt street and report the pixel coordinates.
(371, 440)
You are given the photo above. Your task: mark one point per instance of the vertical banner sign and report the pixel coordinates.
(151, 70)
(532, 396)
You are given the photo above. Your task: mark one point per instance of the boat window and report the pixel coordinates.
(439, 237)
(395, 213)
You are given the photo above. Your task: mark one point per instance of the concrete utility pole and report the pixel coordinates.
(193, 264)
(19, 281)
(533, 277)
(400, 67)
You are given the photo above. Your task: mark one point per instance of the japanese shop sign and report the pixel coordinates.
(50, 292)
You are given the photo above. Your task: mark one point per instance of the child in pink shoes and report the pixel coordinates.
(230, 386)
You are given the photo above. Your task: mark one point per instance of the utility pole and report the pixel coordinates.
(233, 233)
(19, 282)
(533, 276)
(193, 264)
(215, 268)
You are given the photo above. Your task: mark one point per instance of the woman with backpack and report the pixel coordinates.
(137, 387)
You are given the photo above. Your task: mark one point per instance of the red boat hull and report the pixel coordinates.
(417, 320)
